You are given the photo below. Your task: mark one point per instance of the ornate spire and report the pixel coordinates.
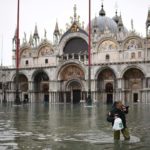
(102, 11)
(132, 25)
(116, 17)
(14, 40)
(148, 23)
(15, 36)
(56, 31)
(56, 34)
(36, 35)
(75, 12)
(45, 34)
(75, 18)
(25, 38)
(148, 18)
(95, 22)
(31, 40)
(120, 23)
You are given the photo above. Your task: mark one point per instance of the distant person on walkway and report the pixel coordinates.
(117, 115)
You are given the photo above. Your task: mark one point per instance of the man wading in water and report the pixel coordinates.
(119, 111)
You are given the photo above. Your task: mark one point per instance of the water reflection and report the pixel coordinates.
(69, 127)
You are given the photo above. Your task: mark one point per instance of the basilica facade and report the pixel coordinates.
(57, 72)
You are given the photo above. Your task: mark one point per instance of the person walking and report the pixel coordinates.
(118, 115)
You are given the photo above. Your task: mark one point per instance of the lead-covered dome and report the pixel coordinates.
(104, 23)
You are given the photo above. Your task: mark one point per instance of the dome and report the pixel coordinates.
(108, 25)
(105, 23)
(116, 18)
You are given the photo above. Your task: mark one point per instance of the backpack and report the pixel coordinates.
(110, 118)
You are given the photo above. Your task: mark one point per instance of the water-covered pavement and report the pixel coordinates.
(41, 126)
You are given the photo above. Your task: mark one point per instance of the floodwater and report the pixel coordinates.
(40, 126)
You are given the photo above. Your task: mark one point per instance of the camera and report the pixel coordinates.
(125, 108)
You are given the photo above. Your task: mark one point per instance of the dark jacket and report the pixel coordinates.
(120, 113)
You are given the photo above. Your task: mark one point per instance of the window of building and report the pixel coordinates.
(107, 57)
(64, 57)
(76, 56)
(26, 62)
(46, 61)
(70, 56)
(132, 55)
(87, 57)
(0, 85)
(82, 57)
(139, 54)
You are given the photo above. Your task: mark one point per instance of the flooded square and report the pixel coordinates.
(69, 127)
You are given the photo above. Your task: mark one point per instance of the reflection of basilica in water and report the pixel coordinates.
(58, 71)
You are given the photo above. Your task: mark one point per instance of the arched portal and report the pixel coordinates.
(109, 91)
(74, 92)
(23, 86)
(23, 82)
(41, 86)
(106, 82)
(71, 84)
(133, 83)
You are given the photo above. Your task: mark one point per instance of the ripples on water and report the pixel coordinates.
(69, 127)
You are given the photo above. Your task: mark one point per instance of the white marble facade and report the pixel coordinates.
(58, 71)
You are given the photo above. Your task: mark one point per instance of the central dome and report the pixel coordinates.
(105, 24)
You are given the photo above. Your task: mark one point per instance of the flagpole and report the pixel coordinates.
(17, 99)
(3, 76)
(89, 100)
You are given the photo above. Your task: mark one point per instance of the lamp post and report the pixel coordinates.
(17, 99)
(89, 99)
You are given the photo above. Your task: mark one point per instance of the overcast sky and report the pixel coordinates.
(44, 13)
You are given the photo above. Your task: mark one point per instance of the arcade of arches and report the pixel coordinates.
(72, 85)
(40, 86)
(129, 87)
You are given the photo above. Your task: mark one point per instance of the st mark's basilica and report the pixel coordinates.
(58, 71)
